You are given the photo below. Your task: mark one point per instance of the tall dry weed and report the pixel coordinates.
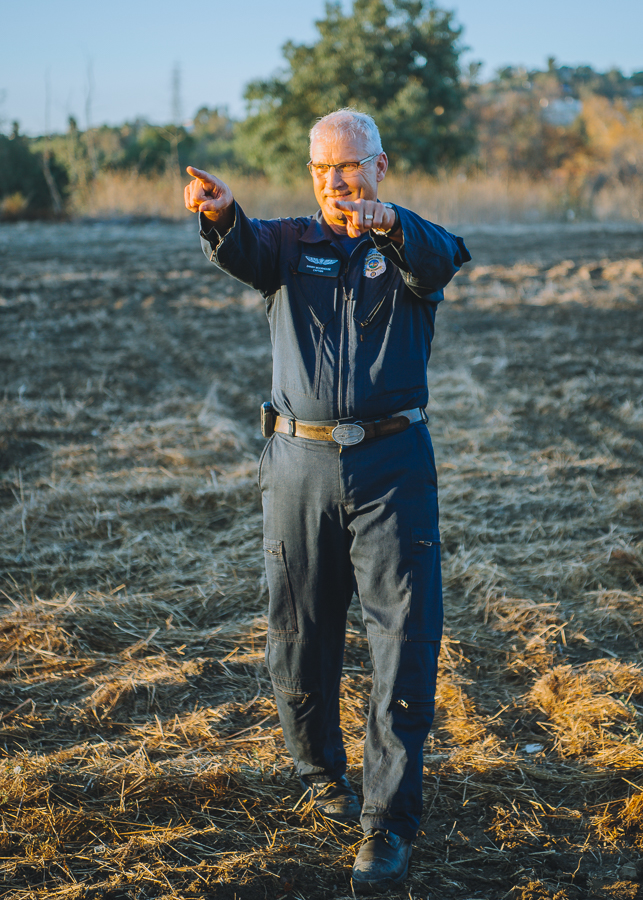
(475, 199)
(130, 194)
(451, 199)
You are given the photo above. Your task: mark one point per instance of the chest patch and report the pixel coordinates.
(319, 265)
(374, 264)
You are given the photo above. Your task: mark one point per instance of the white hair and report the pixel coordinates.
(352, 124)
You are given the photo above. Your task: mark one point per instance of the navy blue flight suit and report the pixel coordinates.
(351, 340)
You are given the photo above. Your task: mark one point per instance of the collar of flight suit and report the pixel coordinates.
(318, 230)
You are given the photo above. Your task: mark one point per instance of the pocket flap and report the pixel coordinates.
(425, 537)
(274, 547)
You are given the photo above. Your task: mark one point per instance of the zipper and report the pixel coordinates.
(344, 341)
(348, 299)
(410, 704)
(315, 318)
(373, 313)
(343, 347)
(351, 254)
(367, 321)
(340, 368)
(369, 318)
(300, 697)
(318, 361)
(318, 352)
(425, 543)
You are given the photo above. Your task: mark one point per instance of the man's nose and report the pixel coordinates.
(334, 179)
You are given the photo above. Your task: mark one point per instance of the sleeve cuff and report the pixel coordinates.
(208, 231)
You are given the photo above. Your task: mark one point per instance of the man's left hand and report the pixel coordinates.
(363, 215)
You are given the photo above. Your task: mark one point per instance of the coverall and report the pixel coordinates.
(351, 340)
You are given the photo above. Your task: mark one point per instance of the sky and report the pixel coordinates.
(127, 50)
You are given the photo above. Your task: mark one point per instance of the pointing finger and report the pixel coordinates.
(202, 175)
(197, 173)
(346, 205)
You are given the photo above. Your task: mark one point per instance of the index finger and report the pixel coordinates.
(348, 205)
(200, 174)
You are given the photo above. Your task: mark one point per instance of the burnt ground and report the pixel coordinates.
(141, 751)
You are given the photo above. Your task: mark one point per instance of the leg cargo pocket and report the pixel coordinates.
(282, 618)
(425, 614)
(412, 720)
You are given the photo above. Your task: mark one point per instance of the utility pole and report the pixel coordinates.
(89, 137)
(174, 136)
(176, 94)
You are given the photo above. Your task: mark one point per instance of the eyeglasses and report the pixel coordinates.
(345, 168)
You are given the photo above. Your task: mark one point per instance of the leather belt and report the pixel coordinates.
(348, 433)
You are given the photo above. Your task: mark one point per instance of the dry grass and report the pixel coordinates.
(453, 199)
(587, 704)
(141, 753)
(477, 199)
(128, 194)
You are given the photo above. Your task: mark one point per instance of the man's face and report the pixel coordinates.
(330, 147)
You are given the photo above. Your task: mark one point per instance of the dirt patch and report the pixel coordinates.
(141, 750)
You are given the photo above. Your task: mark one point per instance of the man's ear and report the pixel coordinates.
(382, 166)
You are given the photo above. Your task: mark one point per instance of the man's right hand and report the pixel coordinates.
(209, 195)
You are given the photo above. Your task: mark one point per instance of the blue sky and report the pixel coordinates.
(133, 46)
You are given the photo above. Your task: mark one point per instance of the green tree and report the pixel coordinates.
(395, 59)
(24, 190)
(213, 137)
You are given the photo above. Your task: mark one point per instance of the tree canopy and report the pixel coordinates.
(395, 59)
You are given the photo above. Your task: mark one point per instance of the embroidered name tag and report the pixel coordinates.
(374, 264)
(319, 265)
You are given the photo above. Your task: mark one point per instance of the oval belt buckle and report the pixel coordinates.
(348, 434)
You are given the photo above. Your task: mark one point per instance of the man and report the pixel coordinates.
(348, 480)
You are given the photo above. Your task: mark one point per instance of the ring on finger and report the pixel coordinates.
(368, 217)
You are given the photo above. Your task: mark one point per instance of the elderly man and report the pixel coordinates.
(348, 477)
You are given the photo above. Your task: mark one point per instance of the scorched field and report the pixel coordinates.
(141, 753)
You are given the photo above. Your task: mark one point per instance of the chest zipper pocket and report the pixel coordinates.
(372, 316)
(318, 351)
(316, 290)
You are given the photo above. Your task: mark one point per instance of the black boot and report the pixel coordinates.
(382, 861)
(335, 799)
